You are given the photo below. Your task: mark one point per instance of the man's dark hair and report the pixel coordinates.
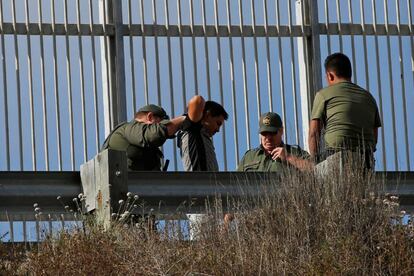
(215, 109)
(339, 64)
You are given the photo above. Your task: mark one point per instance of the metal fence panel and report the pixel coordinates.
(72, 69)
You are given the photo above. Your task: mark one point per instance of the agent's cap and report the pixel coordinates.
(270, 122)
(156, 110)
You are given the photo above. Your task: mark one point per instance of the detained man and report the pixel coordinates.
(195, 138)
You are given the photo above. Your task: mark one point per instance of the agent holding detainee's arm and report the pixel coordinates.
(142, 137)
(349, 115)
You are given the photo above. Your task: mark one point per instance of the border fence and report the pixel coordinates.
(72, 69)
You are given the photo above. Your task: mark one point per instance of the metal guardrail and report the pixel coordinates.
(105, 180)
(20, 190)
(163, 191)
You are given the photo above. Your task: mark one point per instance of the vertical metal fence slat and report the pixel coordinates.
(43, 87)
(107, 67)
(410, 24)
(268, 67)
(233, 80)
(11, 227)
(30, 84)
(62, 222)
(131, 58)
(309, 82)
(56, 88)
(183, 79)
(170, 75)
(256, 60)
(37, 227)
(49, 220)
(364, 42)
(193, 41)
(245, 90)
(328, 37)
(69, 83)
(206, 52)
(351, 20)
(306, 102)
(404, 98)
(144, 53)
(24, 232)
(6, 108)
(157, 56)
(338, 16)
(220, 73)
(293, 75)
(82, 84)
(390, 73)
(282, 77)
(117, 57)
(94, 78)
(18, 86)
(384, 160)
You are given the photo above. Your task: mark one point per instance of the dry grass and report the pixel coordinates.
(308, 227)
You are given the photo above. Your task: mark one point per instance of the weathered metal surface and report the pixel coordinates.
(200, 31)
(166, 192)
(20, 190)
(104, 182)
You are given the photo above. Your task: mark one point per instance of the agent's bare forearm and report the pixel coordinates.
(296, 161)
(174, 125)
(314, 136)
(304, 165)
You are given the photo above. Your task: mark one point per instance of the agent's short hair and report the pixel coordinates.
(339, 64)
(215, 109)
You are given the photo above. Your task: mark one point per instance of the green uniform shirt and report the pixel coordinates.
(256, 160)
(349, 114)
(140, 141)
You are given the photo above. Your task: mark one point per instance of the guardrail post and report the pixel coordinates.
(104, 181)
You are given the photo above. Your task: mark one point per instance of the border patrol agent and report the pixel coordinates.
(349, 115)
(273, 155)
(142, 137)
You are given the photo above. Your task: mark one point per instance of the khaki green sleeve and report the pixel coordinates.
(318, 109)
(240, 167)
(147, 135)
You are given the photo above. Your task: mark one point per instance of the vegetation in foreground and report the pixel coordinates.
(309, 226)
